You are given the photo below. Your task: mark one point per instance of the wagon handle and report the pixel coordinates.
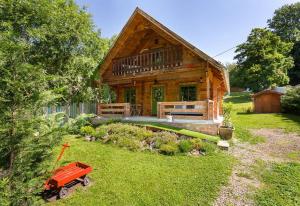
(66, 145)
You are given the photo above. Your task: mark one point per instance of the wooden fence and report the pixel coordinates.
(75, 109)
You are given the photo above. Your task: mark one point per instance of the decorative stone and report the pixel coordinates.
(223, 144)
(195, 152)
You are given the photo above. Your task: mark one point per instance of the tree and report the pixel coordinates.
(286, 24)
(263, 61)
(49, 51)
(291, 100)
(233, 75)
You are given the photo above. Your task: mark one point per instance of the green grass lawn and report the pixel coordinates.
(281, 185)
(121, 177)
(243, 119)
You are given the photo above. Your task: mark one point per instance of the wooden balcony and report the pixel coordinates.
(194, 110)
(156, 59)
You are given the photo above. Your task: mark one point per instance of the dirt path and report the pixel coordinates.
(242, 182)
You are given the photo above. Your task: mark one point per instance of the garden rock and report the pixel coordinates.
(223, 144)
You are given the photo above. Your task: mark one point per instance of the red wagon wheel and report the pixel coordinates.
(63, 192)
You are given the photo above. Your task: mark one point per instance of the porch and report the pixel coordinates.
(171, 111)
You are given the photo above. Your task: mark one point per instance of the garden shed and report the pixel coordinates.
(267, 101)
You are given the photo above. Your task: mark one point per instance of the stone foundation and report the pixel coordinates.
(211, 129)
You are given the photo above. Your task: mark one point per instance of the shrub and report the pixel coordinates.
(208, 147)
(124, 135)
(291, 101)
(100, 132)
(227, 110)
(160, 138)
(139, 133)
(197, 143)
(129, 143)
(185, 146)
(88, 131)
(170, 148)
(73, 126)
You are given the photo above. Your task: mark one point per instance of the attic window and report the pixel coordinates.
(156, 41)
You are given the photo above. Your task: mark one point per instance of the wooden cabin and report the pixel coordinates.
(155, 72)
(267, 101)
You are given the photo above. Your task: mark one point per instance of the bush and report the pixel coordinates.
(100, 132)
(73, 126)
(227, 110)
(170, 148)
(88, 131)
(124, 135)
(208, 147)
(160, 138)
(139, 133)
(290, 102)
(129, 143)
(197, 143)
(185, 146)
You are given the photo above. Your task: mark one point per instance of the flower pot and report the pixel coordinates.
(226, 132)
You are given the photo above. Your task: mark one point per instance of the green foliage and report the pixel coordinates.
(290, 102)
(107, 94)
(227, 112)
(49, 51)
(88, 130)
(197, 143)
(164, 138)
(186, 146)
(263, 60)
(208, 148)
(286, 24)
(4, 192)
(73, 126)
(281, 186)
(169, 148)
(233, 75)
(100, 133)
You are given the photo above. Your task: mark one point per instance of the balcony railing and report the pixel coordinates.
(156, 59)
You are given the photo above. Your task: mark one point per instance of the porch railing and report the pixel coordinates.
(114, 109)
(156, 59)
(198, 110)
(119, 109)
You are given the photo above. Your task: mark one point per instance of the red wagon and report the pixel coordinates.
(65, 176)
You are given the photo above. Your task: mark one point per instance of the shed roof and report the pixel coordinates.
(267, 91)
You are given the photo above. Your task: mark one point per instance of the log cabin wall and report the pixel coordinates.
(127, 66)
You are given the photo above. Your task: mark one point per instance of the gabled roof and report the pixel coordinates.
(190, 47)
(267, 91)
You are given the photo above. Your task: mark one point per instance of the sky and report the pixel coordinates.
(213, 26)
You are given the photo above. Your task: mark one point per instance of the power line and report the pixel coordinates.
(224, 51)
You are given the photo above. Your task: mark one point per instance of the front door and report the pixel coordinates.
(157, 96)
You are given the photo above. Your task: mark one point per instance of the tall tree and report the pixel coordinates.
(286, 24)
(49, 50)
(263, 61)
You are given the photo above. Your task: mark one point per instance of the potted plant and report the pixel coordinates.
(226, 129)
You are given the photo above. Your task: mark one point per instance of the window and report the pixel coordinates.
(188, 93)
(129, 95)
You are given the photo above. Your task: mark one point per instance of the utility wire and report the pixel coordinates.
(224, 51)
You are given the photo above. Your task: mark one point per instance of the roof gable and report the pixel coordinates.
(133, 26)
